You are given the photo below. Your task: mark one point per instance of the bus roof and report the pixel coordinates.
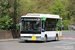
(42, 15)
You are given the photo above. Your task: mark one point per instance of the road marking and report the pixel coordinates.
(69, 43)
(68, 37)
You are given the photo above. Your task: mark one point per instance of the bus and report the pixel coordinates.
(40, 27)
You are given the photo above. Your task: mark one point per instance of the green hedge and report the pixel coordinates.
(17, 26)
(74, 29)
(66, 24)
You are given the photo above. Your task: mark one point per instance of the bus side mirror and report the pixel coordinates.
(43, 30)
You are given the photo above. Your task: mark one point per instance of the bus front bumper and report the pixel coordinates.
(32, 39)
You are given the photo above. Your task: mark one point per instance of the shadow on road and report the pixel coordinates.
(31, 42)
(36, 41)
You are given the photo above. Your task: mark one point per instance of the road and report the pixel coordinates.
(51, 45)
(68, 33)
(68, 44)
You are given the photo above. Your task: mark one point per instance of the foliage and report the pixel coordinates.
(35, 6)
(74, 29)
(66, 24)
(17, 27)
(67, 11)
(71, 10)
(64, 8)
(58, 26)
(5, 16)
(59, 9)
(6, 22)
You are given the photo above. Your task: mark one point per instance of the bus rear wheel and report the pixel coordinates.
(56, 38)
(45, 39)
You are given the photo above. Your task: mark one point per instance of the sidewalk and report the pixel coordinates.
(6, 40)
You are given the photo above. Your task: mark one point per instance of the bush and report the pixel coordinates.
(58, 26)
(74, 29)
(66, 24)
(17, 26)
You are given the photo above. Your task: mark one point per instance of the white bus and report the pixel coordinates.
(40, 27)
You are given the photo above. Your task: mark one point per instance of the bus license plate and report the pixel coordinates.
(33, 38)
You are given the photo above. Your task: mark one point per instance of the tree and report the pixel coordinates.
(59, 9)
(35, 6)
(59, 25)
(5, 18)
(71, 9)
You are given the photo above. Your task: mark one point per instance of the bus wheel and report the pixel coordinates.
(56, 38)
(26, 41)
(45, 39)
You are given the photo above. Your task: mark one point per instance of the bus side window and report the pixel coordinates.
(43, 25)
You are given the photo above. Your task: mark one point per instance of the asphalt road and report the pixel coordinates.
(51, 45)
(68, 33)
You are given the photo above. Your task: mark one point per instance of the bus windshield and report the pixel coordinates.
(31, 26)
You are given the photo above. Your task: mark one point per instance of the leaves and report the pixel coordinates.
(64, 8)
(58, 26)
(5, 18)
(58, 8)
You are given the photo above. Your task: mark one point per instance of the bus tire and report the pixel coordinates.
(26, 41)
(45, 39)
(56, 38)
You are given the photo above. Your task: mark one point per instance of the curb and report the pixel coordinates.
(68, 37)
(7, 40)
(67, 30)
